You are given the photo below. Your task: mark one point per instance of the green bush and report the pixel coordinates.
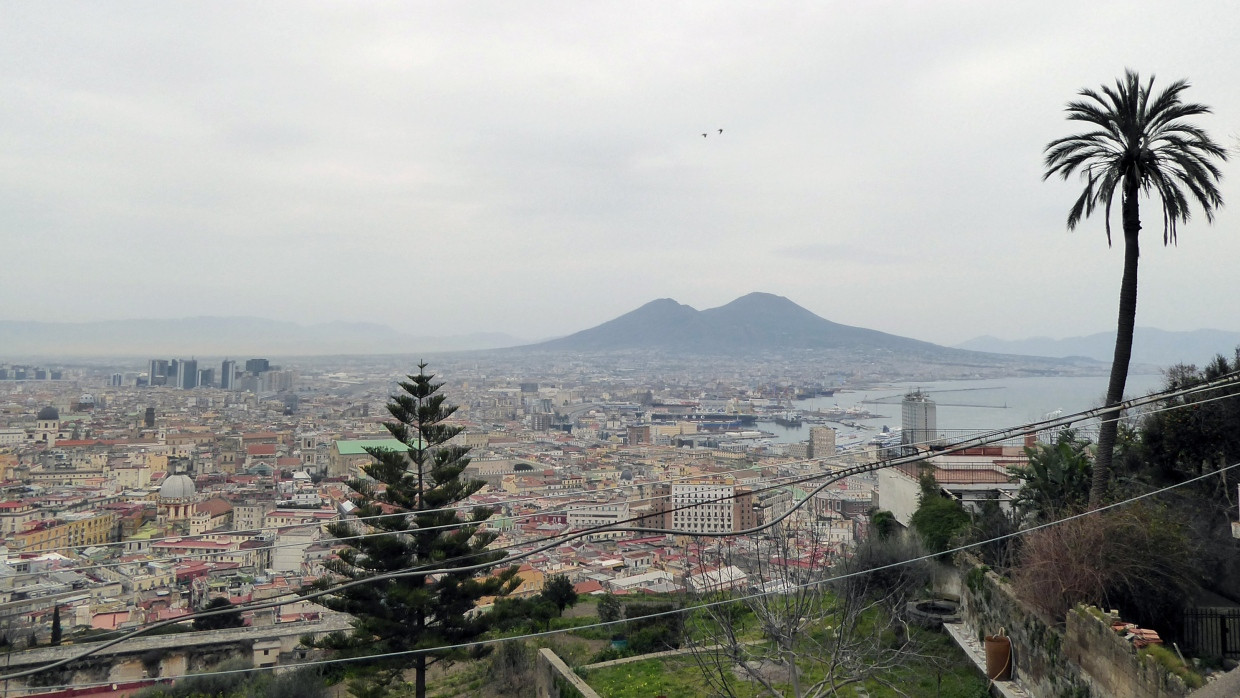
(1171, 662)
(938, 520)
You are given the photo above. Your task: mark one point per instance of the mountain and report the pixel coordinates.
(758, 322)
(1149, 346)
(224, 336)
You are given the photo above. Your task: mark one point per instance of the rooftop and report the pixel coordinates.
(357, 448)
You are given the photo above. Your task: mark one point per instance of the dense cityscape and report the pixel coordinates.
(135, 496)
(619, 350)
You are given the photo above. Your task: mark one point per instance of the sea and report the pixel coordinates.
(964, 407)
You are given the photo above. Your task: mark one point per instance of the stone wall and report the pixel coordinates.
(1111, 665)
(1081, 658)
(159, 655)
(1038, 661)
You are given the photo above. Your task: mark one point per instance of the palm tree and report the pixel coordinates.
(1139, 145)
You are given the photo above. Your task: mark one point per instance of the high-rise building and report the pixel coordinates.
(228, 373)
(639, 434)
(187, 374)
(918, 424)
(821, 442)
(148, 418)
(157, 373)
(257, 366)
(118, 379)
(206, 377)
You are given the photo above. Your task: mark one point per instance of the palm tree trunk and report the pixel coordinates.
(1123, 345)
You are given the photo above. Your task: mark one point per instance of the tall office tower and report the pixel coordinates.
(821, 442)
(157, 374)
(118, 379)
(206, 377)
(148, 418)
(187, 374)
(257, 366)
(228, 372)
(917, 420)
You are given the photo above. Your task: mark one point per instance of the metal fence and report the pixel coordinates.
(1213, 632)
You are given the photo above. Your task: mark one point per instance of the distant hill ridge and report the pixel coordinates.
(1149, 346)
(221, 336)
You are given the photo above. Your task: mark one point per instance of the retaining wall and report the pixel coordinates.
(556, 680)
(1078, 659)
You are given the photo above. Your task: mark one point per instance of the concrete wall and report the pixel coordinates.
(556, 680)
(899, 494)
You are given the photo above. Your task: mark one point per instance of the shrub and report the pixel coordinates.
(610, 608)
(890, 579)
(938, 520)
(1137, 559)
(511, 670)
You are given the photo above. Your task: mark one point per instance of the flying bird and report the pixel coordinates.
(703, 135)
(720, 130)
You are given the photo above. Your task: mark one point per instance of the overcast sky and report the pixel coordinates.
(538, 168)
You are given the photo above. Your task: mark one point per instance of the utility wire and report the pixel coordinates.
(1000, 435)
(1153, 397)
(686, 609)
(557, 540)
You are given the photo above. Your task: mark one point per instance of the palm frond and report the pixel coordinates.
(1141, 138)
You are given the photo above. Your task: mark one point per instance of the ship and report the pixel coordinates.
(791, 418)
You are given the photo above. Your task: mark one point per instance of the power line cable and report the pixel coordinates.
(1153, 397)
(1205, 387)
(694, 607)
(999, 435)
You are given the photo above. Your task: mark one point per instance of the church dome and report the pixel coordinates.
(178, 486)
(48, 413)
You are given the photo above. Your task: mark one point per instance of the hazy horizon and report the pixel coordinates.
(537, 170)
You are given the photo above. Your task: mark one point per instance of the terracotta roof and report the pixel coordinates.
(587, 587)
(213, 507)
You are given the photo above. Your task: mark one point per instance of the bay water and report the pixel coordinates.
(965, 405)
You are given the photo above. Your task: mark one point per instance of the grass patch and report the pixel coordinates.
(675, 678)
(1171, 662)
(943, 672)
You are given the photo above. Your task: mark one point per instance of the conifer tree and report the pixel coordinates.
(56, 630)
(423, 480)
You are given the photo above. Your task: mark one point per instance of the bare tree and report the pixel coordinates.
(790, 630)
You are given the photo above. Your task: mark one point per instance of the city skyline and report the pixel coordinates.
(537, 171)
